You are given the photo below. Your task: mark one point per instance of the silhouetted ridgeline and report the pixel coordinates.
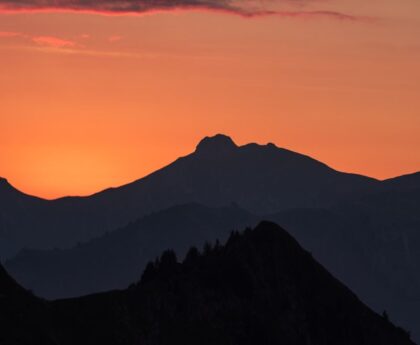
(259, 178)
(366, 232)
(368, 244)
(115, 260)
(260, 288)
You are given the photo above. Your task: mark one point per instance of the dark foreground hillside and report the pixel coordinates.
(260, 288)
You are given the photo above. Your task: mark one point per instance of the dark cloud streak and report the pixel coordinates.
(138, 7)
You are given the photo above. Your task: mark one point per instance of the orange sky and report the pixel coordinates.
(90, 101)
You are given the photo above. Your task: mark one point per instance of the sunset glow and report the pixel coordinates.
(89, 101)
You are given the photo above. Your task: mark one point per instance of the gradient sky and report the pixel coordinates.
(90, 99)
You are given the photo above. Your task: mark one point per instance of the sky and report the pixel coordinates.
(96, 94)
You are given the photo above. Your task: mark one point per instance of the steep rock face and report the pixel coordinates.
(260, 288)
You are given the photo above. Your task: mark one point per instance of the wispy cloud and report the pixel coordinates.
(61, 46)
(114, 38)
(69, 51)
(50, 49)
(52, 41)
(42, 41)
(9, 34)
(244, 8)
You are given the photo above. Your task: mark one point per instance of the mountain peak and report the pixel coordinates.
(6, 189)
(217, 143)
(4, 184)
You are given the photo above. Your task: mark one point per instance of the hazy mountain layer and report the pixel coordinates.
(260, 288)
(367, 244)
(117, 259)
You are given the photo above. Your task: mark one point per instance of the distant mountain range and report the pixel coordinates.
(116, 259)
(365, 231)
(261, 179)
(377, 261)
(259, 288)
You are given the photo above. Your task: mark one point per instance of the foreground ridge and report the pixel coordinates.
(259, 288)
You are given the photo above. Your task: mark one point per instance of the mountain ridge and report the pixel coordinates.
(212, 143)
(260, 178)
(244, 291)
(113, 260)
(208, 143)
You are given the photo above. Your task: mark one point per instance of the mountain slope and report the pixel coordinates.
(260, 288)
(22, 316)
(116, 259)
(371, 244)
(409, 181)
(261, 179)
(14, 206)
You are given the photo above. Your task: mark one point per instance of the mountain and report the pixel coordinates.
(372, 244)
(13, 207)
(259, 178)
(8, 285)
(116, 259)
(22, 316)
(410, 181)
(374, 256)
(366, 232)
(259, 288)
